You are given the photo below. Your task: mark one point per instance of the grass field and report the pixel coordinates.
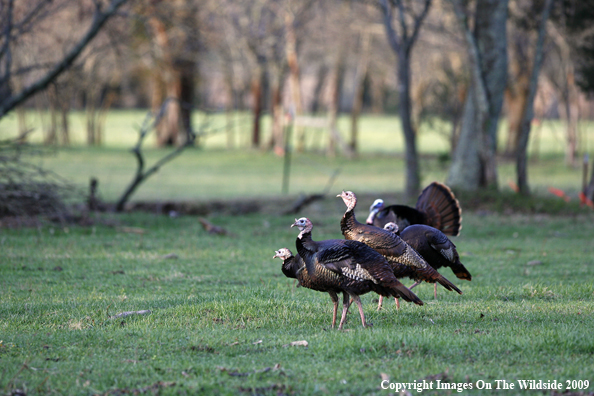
(212, 171)
(222, 314)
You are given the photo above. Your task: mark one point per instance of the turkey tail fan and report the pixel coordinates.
(410, 215)
(441, 208)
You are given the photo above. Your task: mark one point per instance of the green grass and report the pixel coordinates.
(222, 312)
(212, 171)
(378, 133)
(212, 174)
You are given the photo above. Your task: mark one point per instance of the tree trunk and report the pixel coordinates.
(359, 81)
(377, 86)
(402, 45)
(317, 92)
(65, 127)
(410, 135)
(98, 103)
(186, 96)
(516, 96)
(487, 48)
(22, 124)
(157, 100)
(294, 74)
(165, 84)
(276, 137)
(176, 69)
(456, 117)
(258, 99)
(571, 115)
(230, 104)
(590, 189)
(172, 119)
(463, 171)
(334, 103)
(90, 114)
(51, 133)
(322, 76)
(108, 97)
(493, 42)
(528, 109)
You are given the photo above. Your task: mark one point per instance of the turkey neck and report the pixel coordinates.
(289, 267)
(306, 248)
(348, 223)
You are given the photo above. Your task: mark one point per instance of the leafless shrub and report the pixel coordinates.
(28, 190)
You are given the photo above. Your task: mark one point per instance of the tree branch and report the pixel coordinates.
(34, 15)
(473, 51)
(418, 21)
(403, 26)
(21, 26)
(390, 32)
(99, 19)
(142, 175)
(529, 109)
(5, 77)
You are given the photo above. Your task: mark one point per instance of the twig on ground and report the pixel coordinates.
(128, 313)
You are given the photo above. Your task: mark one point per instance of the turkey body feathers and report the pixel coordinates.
(294, 267)
(404, 259)
(400, 214)
(350, 266)
(436, 248)
(436, 206)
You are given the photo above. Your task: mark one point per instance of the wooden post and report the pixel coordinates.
(287, 163)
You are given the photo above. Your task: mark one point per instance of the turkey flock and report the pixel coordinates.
(395, 242)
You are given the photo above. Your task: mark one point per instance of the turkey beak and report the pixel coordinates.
(294, 224)
(341, 195)
(275, 254)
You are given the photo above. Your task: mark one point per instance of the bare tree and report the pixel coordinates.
(570, 65)
(474, 164)
(18, 20)
(28, 190)
(521, 54)
(402, 42)
(335, 87)
(293, 64)
(528, 109)
(360, 74)
(259, 29)
(173, 31)
(151, 122)
(269, 34)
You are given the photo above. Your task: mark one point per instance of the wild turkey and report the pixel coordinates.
(294, 267)
(350, 266)
(436, 206)
(435, 247)
(405, 261)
